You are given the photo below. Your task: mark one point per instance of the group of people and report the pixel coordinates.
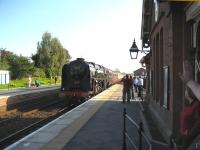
(189, 116)
(128, 84)
(36, 83)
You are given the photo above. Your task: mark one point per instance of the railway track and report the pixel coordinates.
(23, 123)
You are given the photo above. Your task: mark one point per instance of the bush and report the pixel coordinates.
(12, 85)
(39, 72)
(24, 82)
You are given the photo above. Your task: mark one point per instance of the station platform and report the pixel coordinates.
(10, 98)
(25, 90)
(94, 125)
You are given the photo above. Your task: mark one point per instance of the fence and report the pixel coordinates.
(140, 133)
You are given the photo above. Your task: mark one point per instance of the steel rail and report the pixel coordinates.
(13, 137)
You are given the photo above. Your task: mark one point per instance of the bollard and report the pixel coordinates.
(124, 130)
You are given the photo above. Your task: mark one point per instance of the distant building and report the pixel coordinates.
(4, 77)
(140, 72)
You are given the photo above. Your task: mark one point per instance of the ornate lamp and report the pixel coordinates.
(134, 51)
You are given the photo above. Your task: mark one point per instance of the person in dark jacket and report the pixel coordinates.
(131, 87)
(127, 82)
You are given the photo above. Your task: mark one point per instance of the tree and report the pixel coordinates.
(38, 72)
(51, 55)
(36, 60)
(4, 55)
(20, 66)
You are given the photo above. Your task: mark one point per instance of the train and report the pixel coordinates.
(82, 79)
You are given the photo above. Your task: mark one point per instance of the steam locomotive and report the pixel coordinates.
(81, 80)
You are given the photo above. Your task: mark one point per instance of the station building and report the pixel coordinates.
(4, 77)
(172, 32)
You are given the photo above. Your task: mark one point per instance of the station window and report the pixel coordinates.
(166, 87)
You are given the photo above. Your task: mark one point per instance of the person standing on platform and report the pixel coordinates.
(135, 82)
(140, 86)
(131, 87)
(126, 88)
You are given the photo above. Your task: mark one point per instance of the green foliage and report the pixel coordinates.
(14, 84)
(39, 72)
(51, 55)
(48, 61)
(4, 55)
(24, 82)
(4, 66)
(36, 60)
(20, 66)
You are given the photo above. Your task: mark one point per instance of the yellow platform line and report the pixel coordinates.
(67, 134)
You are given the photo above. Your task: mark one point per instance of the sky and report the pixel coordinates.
(101, 31)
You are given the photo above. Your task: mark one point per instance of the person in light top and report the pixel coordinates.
(135, 81)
